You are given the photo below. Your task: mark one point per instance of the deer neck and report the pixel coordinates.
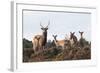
(56, 40)
(81, 37)
(45, 36)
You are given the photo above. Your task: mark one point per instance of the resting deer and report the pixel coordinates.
(59, 43)
(39, 41)
(73, 38)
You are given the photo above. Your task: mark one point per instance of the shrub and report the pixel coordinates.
(53, 53)
(27, 43)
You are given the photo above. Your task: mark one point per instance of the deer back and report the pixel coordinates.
(60, 42)
(35, 41)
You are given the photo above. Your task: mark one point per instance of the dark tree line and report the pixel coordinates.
(27, 43)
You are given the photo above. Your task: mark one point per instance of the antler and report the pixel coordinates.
(41, 25)
(48, 24)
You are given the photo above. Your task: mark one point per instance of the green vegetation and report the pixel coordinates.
(27, 43)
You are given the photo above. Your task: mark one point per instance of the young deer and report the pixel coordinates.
(39, 41)
(73, 38)
(81, 40)
(59, 43)
(36, 44)
(81, 33)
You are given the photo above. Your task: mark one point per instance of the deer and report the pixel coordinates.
(81, 40)
(59, 43)
(36, 44)
(39, 41)
(81, 33)
(67, 41)
(73, 38)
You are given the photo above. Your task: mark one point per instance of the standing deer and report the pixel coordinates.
(59, 43)
(39, 41)
(73, 38)
(67, 41)
(81, 33)
(81, 40)
(36, 45)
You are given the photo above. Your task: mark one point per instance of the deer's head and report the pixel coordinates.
(81, 33)
(45, 28)
(55, 36)
(72, 35)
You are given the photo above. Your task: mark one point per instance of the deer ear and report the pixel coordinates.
(42, 28)
(56, 35)
(73, 32)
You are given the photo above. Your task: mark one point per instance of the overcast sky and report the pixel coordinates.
(61, 23)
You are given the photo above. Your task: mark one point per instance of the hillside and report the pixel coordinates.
(53, 53)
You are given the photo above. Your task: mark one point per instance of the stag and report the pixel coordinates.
(39, 41)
